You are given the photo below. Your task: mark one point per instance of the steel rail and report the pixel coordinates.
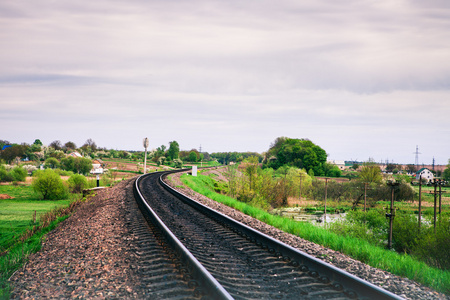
(211, 287)
(353, 286)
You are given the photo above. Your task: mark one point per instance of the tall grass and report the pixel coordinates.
(398, 264)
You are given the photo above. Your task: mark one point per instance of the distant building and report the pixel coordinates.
(75, 154)
(425, 174)
(339, 163)
(97, 167)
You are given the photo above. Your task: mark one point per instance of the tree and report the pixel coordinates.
(56, 145)
(251, 168)
(411, 168)
(37, 142)
(446, 173)
(77, 183)
(18, 174)
(161, 160)
(11, 153)
(80, 165)
(300, 153)
(49, 185)
(193, 156)
(89, 146)
(178, 163)
(52, 163)
(69, 146)
(173, 151)
(83, 165)
(370, 172)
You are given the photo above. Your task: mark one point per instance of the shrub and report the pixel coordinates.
(52, 163)
(18, 173)
(77, 183)
(49, 185)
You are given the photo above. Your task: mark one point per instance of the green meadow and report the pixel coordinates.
(21, 213)
(21, 216)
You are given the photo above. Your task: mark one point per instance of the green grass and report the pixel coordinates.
(399, 264)
(16, 215)
(16, 224)
(19, 253)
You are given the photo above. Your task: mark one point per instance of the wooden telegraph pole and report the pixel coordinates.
(420, 200)
(326, 187)
(391, 215)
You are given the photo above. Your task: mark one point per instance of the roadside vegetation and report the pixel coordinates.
(283, 178)
(339, 239)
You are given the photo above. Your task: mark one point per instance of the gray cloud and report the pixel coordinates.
(360, 79)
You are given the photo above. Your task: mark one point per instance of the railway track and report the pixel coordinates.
(224, 259)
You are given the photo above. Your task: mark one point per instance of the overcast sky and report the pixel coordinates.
(361, 79)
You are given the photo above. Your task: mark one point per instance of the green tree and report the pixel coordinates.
(68, 163)
(173, 151)
(49, 185)
(193, 156)
(251, 168)
(83, 165)
(178, 163)
(446, 173)
(161, 160)
(80, 165)
(51, 162)
(13, 152)
(18, 174)
(300, 153)
(370, 172)
(77, 183)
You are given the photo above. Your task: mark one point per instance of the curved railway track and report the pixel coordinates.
(224, 259)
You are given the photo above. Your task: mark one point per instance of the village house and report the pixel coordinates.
(425, 174)
(75, 154)
(97, 167)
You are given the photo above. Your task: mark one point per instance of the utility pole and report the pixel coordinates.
(391, 215)
(420, 199)
(146, 143)
(326, 187)
(365, 195)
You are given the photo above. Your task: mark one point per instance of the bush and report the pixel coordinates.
(433, 247)
(15, 174)
(49, 185)
(19, 174)
(77, 183)
(52, 163)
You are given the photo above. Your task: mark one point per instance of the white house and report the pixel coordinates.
(339, 163)
(97, 167)
(425, 174)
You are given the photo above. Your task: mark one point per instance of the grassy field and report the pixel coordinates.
(399, 264)
(22, 215)
(17, 215)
